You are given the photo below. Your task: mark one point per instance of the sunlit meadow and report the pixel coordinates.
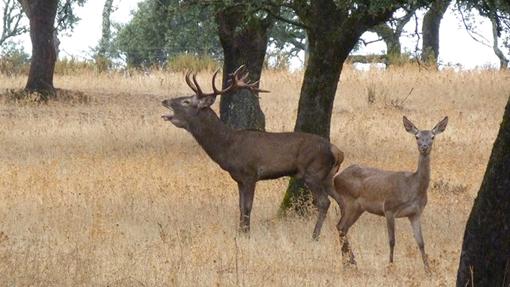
(97, 190)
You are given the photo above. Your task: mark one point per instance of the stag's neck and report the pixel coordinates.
(422, 173)
(212, 135)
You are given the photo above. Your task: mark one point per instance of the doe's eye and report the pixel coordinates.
(416, 136)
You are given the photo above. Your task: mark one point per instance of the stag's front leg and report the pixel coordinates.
(246, 193)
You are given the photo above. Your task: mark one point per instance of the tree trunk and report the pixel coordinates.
(430, 31)
(44, 45)
(503, 61)
(485, 257)
(244, 42)
(326, 58)
(104, 43)
(391, 39)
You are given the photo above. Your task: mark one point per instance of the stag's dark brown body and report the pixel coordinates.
(250, 156)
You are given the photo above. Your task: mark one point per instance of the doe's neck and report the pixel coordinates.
(423, 172)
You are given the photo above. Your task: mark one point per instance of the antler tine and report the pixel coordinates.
(239, 81)
(190, 84)
(253, 87)
(199, 90)
(234, 73)
(216, 92)
(245, 76)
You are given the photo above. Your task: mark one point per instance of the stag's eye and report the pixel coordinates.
(432, 137)
(186, 102)
(417, 136)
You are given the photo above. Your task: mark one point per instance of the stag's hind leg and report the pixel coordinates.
(322, 203)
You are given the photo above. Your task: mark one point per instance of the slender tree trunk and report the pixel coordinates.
(485, 257)
(430, 31)
(390, 37)
(244, 43)
(503, 61)
(44, 44)
(104, 43)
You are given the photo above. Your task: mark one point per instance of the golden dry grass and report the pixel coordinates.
(107, 194)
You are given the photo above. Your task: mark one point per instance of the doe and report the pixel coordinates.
(388, 193)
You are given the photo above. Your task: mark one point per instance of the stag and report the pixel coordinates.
(390, 194)
(250, 156)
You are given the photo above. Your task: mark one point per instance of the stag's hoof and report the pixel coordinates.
(244, 230)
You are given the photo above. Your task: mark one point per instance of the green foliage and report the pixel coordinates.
(66, 19)
(13, 59)
(287, 40)
(160, 30)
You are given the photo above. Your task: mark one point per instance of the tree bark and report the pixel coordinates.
(485, 256)
(329, 45)
(104, 43)
(390, 38)
(503, 61)
(43, 34)
(430, 31)
(244, 42)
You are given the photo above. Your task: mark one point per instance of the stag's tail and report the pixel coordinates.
(339, 157)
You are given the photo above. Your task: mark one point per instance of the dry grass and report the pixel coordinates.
(105, 193)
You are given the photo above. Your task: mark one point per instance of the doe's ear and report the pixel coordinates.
(409, 126)
(205, 102)
(441, 126)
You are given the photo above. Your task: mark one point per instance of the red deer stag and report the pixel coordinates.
(250, 156)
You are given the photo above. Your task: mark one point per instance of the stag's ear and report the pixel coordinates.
(410, 127)
(205, 102)
(441, 126)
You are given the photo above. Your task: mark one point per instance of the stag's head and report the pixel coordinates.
(425, 138)
(183, 110)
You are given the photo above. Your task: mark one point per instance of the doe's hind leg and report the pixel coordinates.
(350, 214)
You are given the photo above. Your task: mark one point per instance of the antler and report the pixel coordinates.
(237, 79)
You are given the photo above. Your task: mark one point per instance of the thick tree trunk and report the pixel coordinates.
(244, 43)
(485, 257)
(430, 31)
(316, 103)
(44, 45)
(333, 30)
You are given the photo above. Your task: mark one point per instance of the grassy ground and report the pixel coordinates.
(105, 193)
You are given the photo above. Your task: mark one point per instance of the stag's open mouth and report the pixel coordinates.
(169, 116)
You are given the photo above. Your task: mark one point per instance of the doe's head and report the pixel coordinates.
(184, 110)
(425, 138)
